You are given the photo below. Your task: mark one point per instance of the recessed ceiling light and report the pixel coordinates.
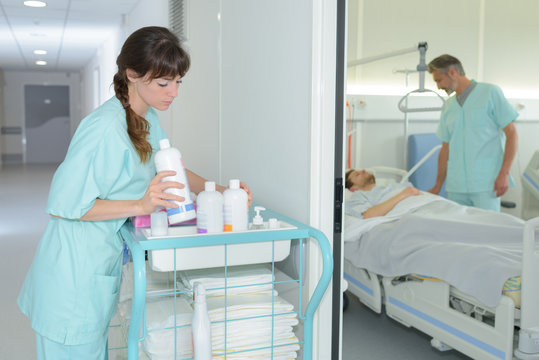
(40, 52)
(35, 3)
(41, 62)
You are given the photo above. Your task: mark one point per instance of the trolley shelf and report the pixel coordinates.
(138, 241)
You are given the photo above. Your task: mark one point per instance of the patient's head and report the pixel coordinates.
(359, 180)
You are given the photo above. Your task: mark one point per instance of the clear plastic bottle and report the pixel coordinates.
(201, 325)
(169, 158)
(235, 207)
(258, 221)
(209, 210)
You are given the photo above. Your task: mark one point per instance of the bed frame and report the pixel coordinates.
(454, 319)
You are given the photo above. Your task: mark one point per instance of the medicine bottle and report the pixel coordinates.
(209, 209)
(169, 158)
(235, 207)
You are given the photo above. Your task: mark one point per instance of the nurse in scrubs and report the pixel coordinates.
(71, 290)
(479, 138)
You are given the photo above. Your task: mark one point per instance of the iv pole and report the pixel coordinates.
(403, 103)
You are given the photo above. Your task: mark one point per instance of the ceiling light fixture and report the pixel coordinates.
(35, 3)
(41, 62)
(40, 52)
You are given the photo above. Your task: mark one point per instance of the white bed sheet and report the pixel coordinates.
(472, 249)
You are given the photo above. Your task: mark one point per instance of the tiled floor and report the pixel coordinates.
(371, 336)
(23, 196)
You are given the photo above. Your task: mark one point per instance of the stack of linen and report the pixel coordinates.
(253, 309)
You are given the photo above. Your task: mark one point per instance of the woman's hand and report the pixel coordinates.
(243, 186)
(248, 191)
(156, 196)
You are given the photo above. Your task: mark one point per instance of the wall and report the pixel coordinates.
(12, 145)
(2, 111)
(490, 36)
(104, 63)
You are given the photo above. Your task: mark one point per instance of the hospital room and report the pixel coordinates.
(393, 111)
(340, 85)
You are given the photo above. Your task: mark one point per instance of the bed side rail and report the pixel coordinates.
(528, 342)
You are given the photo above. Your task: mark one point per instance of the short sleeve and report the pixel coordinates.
(357, 203)
(502, 111)
(93, 165)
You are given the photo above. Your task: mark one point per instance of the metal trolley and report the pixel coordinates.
(140, 244)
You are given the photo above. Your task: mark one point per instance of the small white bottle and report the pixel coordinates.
(258, 221)
(235, 207)
(159, 223)
(201, 325)
(169, 158)
(209, 210)
(273, 224)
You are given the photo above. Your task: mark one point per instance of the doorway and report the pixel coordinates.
(47, 123)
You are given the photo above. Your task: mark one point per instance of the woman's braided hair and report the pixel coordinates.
(151, 52)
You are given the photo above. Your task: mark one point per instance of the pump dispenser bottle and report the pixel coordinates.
(169, 158)
(201, 325)
(258, 221)
(235, 207)
(209, 210)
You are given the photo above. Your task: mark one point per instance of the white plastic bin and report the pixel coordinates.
(214, 256)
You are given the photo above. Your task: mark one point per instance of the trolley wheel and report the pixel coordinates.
(345, 301)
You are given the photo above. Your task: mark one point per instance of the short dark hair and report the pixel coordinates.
(444, 62)
(347, 183)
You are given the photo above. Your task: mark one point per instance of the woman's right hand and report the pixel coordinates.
(156, 196)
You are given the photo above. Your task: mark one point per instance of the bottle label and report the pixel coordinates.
(174, 211)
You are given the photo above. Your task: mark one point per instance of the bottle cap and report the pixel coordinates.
(257, 219)
(164, 143)
(273, 223)
(199, 292)
(234, 184)
(209, 186)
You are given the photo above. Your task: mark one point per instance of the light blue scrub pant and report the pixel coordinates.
(50, 350)
(484, 200)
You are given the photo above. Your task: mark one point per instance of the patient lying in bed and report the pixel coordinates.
(396, 230)
(369, 196)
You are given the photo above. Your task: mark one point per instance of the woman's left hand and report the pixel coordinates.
(248, 191)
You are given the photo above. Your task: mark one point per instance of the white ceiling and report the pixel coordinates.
(70, 31)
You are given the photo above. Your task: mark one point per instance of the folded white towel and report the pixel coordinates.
(241, 333)
(238, 280)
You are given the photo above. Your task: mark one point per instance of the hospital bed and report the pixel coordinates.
(454, 318)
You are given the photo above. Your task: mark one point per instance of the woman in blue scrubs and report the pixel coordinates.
(71, 290)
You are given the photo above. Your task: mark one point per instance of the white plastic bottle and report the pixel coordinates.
(169, 158)
(235, 207)
(209, 210)
(201, 325)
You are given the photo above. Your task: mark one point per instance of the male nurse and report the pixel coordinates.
(479, 138)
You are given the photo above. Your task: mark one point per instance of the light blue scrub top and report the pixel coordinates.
(71, 290)
(476, 139)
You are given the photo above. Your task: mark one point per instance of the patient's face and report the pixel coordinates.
(361, 179)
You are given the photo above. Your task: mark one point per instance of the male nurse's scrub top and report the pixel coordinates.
(476, 139)
(71, 290)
